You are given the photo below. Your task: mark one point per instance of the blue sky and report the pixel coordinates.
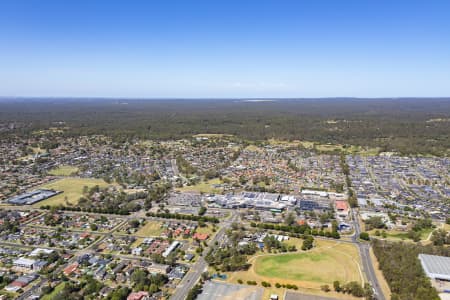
(224, 48)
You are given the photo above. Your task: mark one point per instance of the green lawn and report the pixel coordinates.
(322, 266)
(57, 289)
(72, 188)
(402, 235)
(151, 228)
(282, 266)
(64, 171)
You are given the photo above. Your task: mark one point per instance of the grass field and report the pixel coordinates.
(150, 229)
(64, 171)
(137, 242)
(203, 187)
(329, 147)
(402, 235)
(280, 266)
(207, 229)
(327, 262)
(253, 148)
(57, 289)
(72, 188)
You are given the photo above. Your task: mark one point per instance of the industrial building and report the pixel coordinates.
(32, 197)
(173, 246)
(436, 267)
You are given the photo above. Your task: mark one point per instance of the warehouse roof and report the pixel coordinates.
(437, 267)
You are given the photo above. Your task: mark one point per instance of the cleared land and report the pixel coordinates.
(72, 188)
(203, 187)
(64, 171)
(327, 262)
(150, 229)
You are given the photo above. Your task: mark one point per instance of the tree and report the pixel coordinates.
(440, 237)
(325, 288)
(205, 276)
(118, 294)
(364, 236)
(354, 288)
(290, 219)
(368, 291)
(202, 211)
(402, 269)
(375, 222)
(134, 223)
(337, 286)
(153, 288)
(308, 243)
(414, 235)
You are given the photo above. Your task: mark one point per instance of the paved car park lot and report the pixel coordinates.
(298, 296)
(225, 291)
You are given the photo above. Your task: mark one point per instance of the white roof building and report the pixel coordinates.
(38, 251)
(24, 263)
(436, 267)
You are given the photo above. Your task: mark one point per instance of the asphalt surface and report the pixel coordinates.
(299, 296)
(220, 290)
(194, 274)
(200, 266)
(367, 265)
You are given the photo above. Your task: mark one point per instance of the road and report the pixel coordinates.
(194, 274)
(200, 266)
(176, 172)
(35, 290)
(364, 251)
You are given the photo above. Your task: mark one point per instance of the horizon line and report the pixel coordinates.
(219, 98)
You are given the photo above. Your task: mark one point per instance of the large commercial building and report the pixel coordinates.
(436, 267)
(28, 265)
(32, 197)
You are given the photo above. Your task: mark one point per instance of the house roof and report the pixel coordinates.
(70, 269)
(137, 295)
(200, 236)
(341, 205)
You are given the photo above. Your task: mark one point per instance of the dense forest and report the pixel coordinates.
(403, 271)
(406, 125)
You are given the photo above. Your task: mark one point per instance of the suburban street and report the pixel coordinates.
(194, 274)
(367, 265)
